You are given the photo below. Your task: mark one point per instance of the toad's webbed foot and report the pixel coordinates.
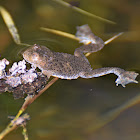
(86, 36)
(126, 77)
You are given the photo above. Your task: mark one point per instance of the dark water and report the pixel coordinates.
(82, 109)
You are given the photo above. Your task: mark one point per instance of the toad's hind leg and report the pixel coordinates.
(91, 42)
(90, 48)
(124, 77)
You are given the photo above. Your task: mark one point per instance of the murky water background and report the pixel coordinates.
(79, 109)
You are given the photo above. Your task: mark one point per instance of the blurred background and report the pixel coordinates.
(82, 109)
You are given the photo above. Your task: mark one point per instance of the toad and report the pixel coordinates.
(68, 66)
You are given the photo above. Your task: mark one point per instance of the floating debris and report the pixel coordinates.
(3, 64)
(18, 67)
(21, 120)
(20, 80)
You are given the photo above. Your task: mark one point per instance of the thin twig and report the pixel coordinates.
(20, 121)
(58, 32)
(29, 99)
(83, 11)
(108, 41)
(27, 102)
(112, 38)
(10, 24)
(24, 132)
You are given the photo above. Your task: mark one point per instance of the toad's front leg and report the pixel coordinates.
(124, 77)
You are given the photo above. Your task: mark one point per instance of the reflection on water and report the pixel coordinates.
(74, 109)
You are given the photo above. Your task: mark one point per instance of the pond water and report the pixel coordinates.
(82, 109)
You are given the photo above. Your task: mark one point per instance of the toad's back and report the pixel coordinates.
(67, 66)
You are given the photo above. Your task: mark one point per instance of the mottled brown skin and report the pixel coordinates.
(67, 66)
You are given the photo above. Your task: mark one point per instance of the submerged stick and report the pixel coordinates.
(24, 132)
(83, 11)
(27, 102)
(108, 41)
(112, 38)
(61, 33)
(30, 99)
(20, 121)
(113, 113)
(10, 25)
